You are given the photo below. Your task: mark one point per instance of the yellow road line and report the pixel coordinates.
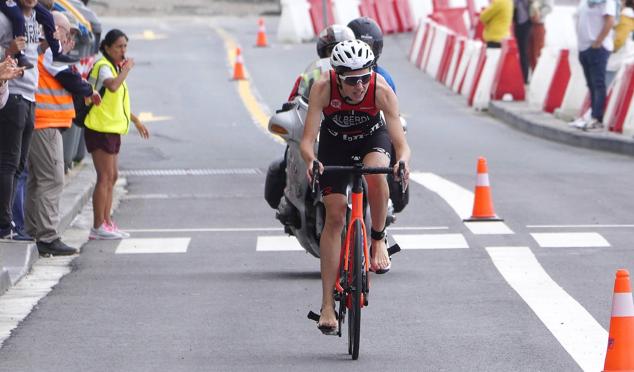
(245, 90)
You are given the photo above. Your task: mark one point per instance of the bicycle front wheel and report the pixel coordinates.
(356, 289)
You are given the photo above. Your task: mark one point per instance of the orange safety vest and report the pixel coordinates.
(54, 104)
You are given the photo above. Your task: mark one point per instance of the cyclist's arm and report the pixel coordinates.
(387, 102)
(318, 99)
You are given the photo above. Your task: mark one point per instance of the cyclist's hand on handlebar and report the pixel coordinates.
(404, 171)
(309, 170)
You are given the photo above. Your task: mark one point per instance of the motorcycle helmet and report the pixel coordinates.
(351, 55)
(330, 36)
(367, 30)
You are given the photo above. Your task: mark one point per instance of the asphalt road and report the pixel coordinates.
(221, 305)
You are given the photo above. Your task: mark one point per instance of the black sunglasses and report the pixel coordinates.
(353, 80)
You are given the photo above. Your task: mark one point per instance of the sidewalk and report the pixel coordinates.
(17, 258)
(536, 122)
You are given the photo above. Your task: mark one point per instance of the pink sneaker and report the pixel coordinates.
(112, 227)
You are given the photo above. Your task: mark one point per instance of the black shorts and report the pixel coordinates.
(108, 142)
(334, 151)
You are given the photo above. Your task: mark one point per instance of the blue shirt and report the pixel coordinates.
(386, 75)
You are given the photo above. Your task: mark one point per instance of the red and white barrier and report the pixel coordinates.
(405, 22)
(428, 41)
(385, 16)
(558, 83)
(483, 83)
(295, 25)
(417, 41)
(438, 45)
(508, 84)
(542, 76)
(456, 56)
(420, 9)
(620, 104)
(471, 51)
(345, 11)
(317, 14)
(577, 88)
(474, 69)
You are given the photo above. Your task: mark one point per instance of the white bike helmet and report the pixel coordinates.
(351, 55)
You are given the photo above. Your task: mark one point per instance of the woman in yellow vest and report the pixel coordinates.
(104, 126)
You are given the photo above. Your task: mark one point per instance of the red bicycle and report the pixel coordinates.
(353, 285)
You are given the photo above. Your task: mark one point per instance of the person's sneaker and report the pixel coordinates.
(115, 229)
(578, 123)
(64, 60)
(55, 248)
(593, 125)
(102, 233)
(23, 61)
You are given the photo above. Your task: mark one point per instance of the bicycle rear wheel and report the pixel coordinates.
(356, 289)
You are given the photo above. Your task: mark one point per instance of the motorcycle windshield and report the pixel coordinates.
(312, 73)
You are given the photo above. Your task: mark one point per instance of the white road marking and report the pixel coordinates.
(460, 200)
(570, 240)
(277, 244)
(189, 172)
(210, 229)
(262, 229)
(152, 245)
(489, 228)
(576, 226)
(571, 324)
(148, 117)
(431, 241)
(19, 300)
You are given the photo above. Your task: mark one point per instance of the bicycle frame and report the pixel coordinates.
(355, 215)
(353, 282)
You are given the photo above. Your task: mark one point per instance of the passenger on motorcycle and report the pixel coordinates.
(351, 98)
(367, 30)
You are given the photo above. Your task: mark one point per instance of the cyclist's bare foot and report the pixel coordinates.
(327, 320)
(380, 259)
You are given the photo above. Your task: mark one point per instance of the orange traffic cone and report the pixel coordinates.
(620, 354)
(261, 41)
(483, 203)
(238, 67)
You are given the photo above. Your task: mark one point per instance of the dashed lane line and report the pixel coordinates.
(571, 324)
(489, 228)
(570, 240)
(405, 241)
(153, 245)
(578, 226)
(431, 241)
(262, 229)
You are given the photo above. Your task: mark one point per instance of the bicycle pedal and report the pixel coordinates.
(393, 250)
(313, 316)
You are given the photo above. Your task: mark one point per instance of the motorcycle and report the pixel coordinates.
(287, 189)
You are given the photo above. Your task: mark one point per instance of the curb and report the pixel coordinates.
(520, 116)
(17, 258)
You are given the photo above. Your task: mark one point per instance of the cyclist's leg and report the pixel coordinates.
(378, 195)
(329, 248)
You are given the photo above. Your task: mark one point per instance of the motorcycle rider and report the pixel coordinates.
(351, 98)
(367, 30)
